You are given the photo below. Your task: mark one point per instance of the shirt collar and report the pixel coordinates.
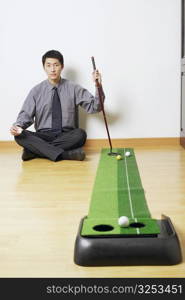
(50, 86)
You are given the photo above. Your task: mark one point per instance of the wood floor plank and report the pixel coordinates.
(42, 203)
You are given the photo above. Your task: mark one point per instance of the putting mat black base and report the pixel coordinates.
(163, 249)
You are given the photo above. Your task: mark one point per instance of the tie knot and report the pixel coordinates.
(55, 88)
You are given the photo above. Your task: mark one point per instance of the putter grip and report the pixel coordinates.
(93, 63)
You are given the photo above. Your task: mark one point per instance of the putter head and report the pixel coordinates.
(113, 153)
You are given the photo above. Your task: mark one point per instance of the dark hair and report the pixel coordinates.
(53, 54)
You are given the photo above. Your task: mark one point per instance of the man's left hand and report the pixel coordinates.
(97, 76)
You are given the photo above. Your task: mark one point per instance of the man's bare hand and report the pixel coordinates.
(97, 76)
(16, 130)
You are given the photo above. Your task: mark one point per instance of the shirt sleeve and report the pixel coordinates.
(89, 102)
(26, 115)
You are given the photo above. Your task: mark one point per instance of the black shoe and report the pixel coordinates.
(76, 154)
(28, 155)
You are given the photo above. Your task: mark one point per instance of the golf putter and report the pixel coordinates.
(99, 87)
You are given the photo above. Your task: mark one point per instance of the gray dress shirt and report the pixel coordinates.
(38, 104)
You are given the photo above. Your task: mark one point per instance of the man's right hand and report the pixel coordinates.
(16, 130)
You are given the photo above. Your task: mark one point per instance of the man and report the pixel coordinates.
(52, 107)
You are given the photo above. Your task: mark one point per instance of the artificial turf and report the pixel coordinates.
(118, 192)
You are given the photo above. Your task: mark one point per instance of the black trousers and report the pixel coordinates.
(50, 145)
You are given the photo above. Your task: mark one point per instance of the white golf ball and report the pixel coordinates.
(19, 129)
(127, 153)
(123, 221)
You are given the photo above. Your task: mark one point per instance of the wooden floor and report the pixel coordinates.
(42, 202)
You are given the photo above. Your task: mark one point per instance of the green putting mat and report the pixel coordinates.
(118, 192)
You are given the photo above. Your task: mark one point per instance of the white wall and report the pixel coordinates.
(136, 44)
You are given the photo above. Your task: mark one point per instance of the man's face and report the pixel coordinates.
(53, 68)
